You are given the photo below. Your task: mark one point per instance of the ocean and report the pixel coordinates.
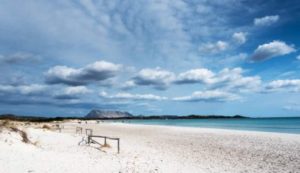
(281, 125)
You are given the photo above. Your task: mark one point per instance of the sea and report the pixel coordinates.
(281, 125)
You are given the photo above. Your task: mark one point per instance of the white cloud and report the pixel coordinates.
(239, 37)
(128, 85)
(298, 57)
(270, 50)
(209, 96)
(43, 92)
(266, 20)
(212, 48)
(227, 79)
(284, 85)
(201, 75)
(72, 93)
(158, 78)
(96, 72)
(77, 90)
(135, 97)
(233, 79)
(32, 89)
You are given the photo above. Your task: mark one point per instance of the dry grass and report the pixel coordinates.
(45, 126)
(105, 146)
(4, 124)
(22, 133)
(12, 127)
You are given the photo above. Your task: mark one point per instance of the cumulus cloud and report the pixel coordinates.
(239, 37)
(74, 104)
(209, 96)
(96, 72)
(202, 75)
(266, 20)
(72, 93)
(36, 94)
(233, 79)
(227, 79)
(158, 78)
(128, 85)
(32, 89)
(212, 48)
(77, 90)
(135, 97)
(284, 85)
(270, 50)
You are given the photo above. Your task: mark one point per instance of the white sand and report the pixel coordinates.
(151, 149)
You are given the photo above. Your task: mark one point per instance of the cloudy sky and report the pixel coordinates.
(64, 58)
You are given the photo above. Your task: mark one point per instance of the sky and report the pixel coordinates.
(158, 57)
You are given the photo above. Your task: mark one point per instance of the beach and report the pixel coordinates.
(149, 148)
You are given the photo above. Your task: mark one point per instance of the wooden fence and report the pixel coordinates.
(79, 129)
(90, 140)
(89, 133)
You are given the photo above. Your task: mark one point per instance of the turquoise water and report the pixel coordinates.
(282, 125)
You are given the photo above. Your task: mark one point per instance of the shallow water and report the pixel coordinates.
(282, 125)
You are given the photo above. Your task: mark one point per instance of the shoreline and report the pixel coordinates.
(216, 128)
(288, 136)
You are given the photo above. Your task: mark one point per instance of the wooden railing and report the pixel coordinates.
(90, 140)
(89, 133)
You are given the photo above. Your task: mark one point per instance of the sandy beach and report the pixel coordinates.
(146, 148)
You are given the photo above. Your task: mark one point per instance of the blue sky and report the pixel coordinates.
(64, 58)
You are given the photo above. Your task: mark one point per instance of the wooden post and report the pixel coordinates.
(79, 129)
(90, 140)
(89, 132)
(118, 146)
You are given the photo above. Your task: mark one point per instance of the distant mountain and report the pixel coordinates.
(108, 114)
(98, 114)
